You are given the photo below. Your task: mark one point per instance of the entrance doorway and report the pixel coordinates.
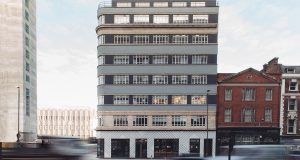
(120, 148)
(141, 148)
(208, 147)
(195, 147)
(166, 148)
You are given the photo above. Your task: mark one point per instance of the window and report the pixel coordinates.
(141, 19)
(142, 4)
(180, 39)
(27, 67)
(179, 4)
(121, 19)
(121, 99)
(248, 94)
(248, 115)
(140, 79)
(27, 41)
(140, 99)
(121, 59)
(268, 115)
(120, 121)
(292, 104)
(268, 94)
(228, 94)
(289, 70)
(27, 94)
(179, 100)
(291, 128)
(141, 39)
(101, 60)
(200, 18)
(27, 54)
(121, 39)
(197, 4)
(160, 4)
(160, 80)
(100, 100)
(101, 20)
(200, 79)
(124, 4)
(160, 59)
(293, 85)
(121, 79)
(197, 59)
(26, 28)
(140, 121)
(159, 99)
(101, 80)
(180, 19)
(200, 39)
(198, 120)
(159, 120)
(160, 39)
(26, 15)
(178, 120)
(179, 79)
(27, 78)
(160, 19)
(227, 115)
(27, 3)
(180, 60)
(199, 99)
(101, 39)
(140, 59)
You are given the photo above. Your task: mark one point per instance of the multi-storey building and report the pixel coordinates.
(290, 100)
(67, 122)
(17, 70)
(157, 61)
(248, 108)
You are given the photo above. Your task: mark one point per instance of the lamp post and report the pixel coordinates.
(18, 134)
(206, 146)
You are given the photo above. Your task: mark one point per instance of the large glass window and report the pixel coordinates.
(227, 115)
(200, 18)
(121, 79)
(123, 4)
(179, 79)
(268, 115)
(198, 120)
(159, 99)
(121, 39)
(120, 120)
(142, 4)
(159, 79)
(180, 59)
(248, 115)
(199, 99)
(159, 120)
(140, 121)
(121, 19)
(140, 59)
(121, 99)
(292, 104)
(269, 94)
(140, 99)
(161, 19)
(180, 19)
(141, 19)
(200, 79)
(141, 39)
(200, 39)
(198, 59)
(248, 94)
(121, 59)
(180, 39)
(160, 39)
(178, 120)
(140, 79)
(179, 100)
(197, 4)
(160, 4)
(160, 59)
(179, 4)
(228, 94)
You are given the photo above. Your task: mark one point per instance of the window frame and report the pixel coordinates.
(198, 120)
(227, 115)
(178, 120)
(159, 100)
(140, 100)
(140, 120)
(161, 19)
(179, 100)
(159, 120)
(199, 79)
(141, 59)
(228, 94)
(121, 79)
(269, 94)
(160, 79)
(140, 79)
(198, 99)
(121, 60)
(120, 100)
(121, 19)
(120, 120)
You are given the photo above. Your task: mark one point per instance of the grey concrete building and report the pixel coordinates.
(157, 61)
(17, 68)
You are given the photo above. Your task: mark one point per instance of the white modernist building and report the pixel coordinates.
(17, 68)
(157, 61)
(67, 122)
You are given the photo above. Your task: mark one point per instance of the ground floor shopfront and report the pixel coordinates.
(154, 144)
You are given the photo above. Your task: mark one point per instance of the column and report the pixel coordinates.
(202, 147)
(132, 148)
(184, 145)
(213, 147)
(107, 148)
(150, 148)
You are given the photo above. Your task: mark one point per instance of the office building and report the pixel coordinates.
(157, 62)
(17, 70)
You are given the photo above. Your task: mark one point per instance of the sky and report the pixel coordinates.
(251, 32)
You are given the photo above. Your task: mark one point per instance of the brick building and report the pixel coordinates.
(248, 108)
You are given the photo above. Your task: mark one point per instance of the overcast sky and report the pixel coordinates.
(251, 32)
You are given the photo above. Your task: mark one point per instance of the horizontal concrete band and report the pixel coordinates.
(186, 108)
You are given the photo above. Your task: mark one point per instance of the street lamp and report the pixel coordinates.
(18, 134)
(206, 153)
